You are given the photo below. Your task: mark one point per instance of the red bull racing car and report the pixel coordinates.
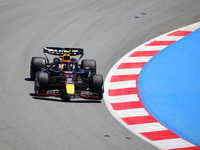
(65, 76)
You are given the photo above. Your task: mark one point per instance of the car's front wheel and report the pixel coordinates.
(96, 84)
(41, 82)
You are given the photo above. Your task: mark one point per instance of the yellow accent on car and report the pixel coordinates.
(70, 88)
(48, 66)
(62, 66)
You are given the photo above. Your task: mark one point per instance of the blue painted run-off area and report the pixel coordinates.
(169, 86)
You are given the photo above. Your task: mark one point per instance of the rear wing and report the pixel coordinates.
(60, 51)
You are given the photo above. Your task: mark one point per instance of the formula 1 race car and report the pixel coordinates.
(65, 76)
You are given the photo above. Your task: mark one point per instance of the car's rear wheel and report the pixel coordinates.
(37, 63)
(41, 82)
(89, 63)
(96, 84)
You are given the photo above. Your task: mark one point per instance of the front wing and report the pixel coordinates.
(78, 94)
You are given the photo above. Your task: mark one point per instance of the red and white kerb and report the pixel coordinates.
(123, 100)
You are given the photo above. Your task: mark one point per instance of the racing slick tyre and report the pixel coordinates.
(96, 85)
(37, 63)
(89, 63)
(41, 82)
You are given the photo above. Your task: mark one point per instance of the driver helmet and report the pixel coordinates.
(66, 57)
